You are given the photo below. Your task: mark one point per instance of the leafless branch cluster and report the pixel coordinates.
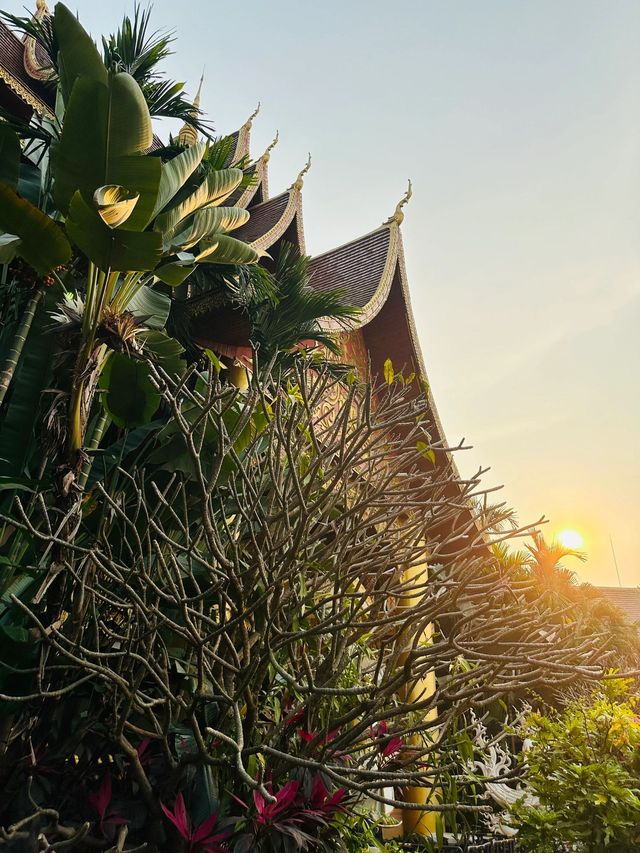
(306, 589)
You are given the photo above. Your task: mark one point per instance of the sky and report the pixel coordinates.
(518, 122)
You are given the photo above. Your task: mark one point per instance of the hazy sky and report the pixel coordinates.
(519, 124)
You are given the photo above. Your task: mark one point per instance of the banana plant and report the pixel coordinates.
(136, 220)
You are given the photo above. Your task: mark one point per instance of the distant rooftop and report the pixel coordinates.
(626, 598)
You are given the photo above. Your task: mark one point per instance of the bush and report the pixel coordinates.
(584, 766)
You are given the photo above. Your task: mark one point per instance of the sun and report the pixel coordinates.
(570, 539)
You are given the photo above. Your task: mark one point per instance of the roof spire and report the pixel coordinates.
(299, 181)
(270, 147)
(188, 135)
(41, 8)
(398, 214)
(249, 121)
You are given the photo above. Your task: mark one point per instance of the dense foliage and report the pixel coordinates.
(232, 618)
(583, 766)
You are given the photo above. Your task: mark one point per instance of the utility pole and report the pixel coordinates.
(615, 562)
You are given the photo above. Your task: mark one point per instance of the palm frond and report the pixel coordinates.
(132, 48)
(136, 49)
(166, 99)
(299, 311)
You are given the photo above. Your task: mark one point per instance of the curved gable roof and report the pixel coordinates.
(270, 220)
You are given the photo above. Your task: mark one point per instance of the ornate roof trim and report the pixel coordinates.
(242, 148)
(293, 209)
(33, 66)
(24, 94)
(245, 198)
(261, 170)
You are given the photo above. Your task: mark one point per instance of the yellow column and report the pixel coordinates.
(414, 821)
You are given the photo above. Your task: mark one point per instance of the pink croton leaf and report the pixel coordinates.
(179, 817)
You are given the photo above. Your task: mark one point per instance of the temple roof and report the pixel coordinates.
(357, 267)
(270, 220)
(32, 92)
(626, 599)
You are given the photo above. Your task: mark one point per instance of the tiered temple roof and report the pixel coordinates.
(369, 269)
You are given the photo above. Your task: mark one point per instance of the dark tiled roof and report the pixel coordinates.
(239, 192)
(356, 267)
(264, 217)
(156, 144)
(231, 157)
(626, 598)
(12, 61)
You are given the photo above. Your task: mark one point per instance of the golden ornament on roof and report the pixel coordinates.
(398, 214)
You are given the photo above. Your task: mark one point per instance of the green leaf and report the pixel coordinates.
(175, 173)
(227, 250)
(33, 374)
(106, 130)
(9, 155)
(115, 204)
(9, 246)
(151, 305)
(30, 183)
(42, 242)
(216, 187)
(106, 460)
(388, 371)
(174, 274)
(116, 250)
(439, 830)
(129, 398)
(426, 452)
(165, 350)
(209, 221)
(77, 54)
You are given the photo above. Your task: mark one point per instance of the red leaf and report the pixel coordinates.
(394, 745)
(258, 801)
(307, 736)
(205, 828)
(286, 795)
(101, 799)
(319, 791)
(179, 818)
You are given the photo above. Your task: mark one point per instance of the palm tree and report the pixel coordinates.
(135, 49)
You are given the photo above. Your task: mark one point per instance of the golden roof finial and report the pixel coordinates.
(41, 8)
(196, 100)
(299, 181)
(270, 147)
(398, 215)
(249, 121)
(188, 135)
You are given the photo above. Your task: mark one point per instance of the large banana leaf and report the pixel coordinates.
(174, 273)
(105, 127)
(30, 183)
(111, 248)
(151, 306)
(106, 460)
(9, 155)
(130, 398)
(207, 222)
(215, 188)
(43, 244)
(176, 172)
(164, 350)
(220, 249)
(32, 377)
(77, 54)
